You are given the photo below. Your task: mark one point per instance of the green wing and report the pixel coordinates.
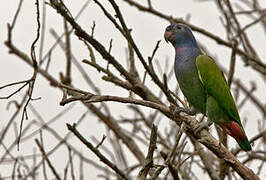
(215, 85)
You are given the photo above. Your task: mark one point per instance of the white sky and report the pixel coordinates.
(147, 30)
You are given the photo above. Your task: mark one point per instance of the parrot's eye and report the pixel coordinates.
(178, 27)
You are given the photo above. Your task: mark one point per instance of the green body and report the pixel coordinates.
(216, 86)
(220, 105)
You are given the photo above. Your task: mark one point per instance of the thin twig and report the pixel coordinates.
(148, 163)
(47, 160)
(73, 129)
(232, 63)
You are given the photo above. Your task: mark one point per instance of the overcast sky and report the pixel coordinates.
(147, 30)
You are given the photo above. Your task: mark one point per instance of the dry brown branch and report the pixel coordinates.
(96, 151)
(47, 160)
(148, 163)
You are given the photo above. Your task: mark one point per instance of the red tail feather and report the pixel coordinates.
(234, 130)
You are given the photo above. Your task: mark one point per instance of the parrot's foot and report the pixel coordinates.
(203, 125)
(176, 110)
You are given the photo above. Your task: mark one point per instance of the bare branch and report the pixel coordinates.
(47, 160)
(148, 163)
(96, 151)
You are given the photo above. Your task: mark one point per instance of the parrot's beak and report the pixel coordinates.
(167, 35)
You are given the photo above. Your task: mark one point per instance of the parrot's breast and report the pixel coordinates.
(187, 77)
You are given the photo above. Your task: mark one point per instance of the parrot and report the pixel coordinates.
(203, 83)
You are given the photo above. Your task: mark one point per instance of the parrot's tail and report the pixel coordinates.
(238, 133)
(244, 144)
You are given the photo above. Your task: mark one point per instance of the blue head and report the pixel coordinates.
(180, 35)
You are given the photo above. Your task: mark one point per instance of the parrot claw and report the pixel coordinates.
(203, 125)
(177, 110)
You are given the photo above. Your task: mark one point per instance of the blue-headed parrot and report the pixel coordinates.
(203, 83)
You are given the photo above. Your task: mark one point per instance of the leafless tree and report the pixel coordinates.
(137, 147)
